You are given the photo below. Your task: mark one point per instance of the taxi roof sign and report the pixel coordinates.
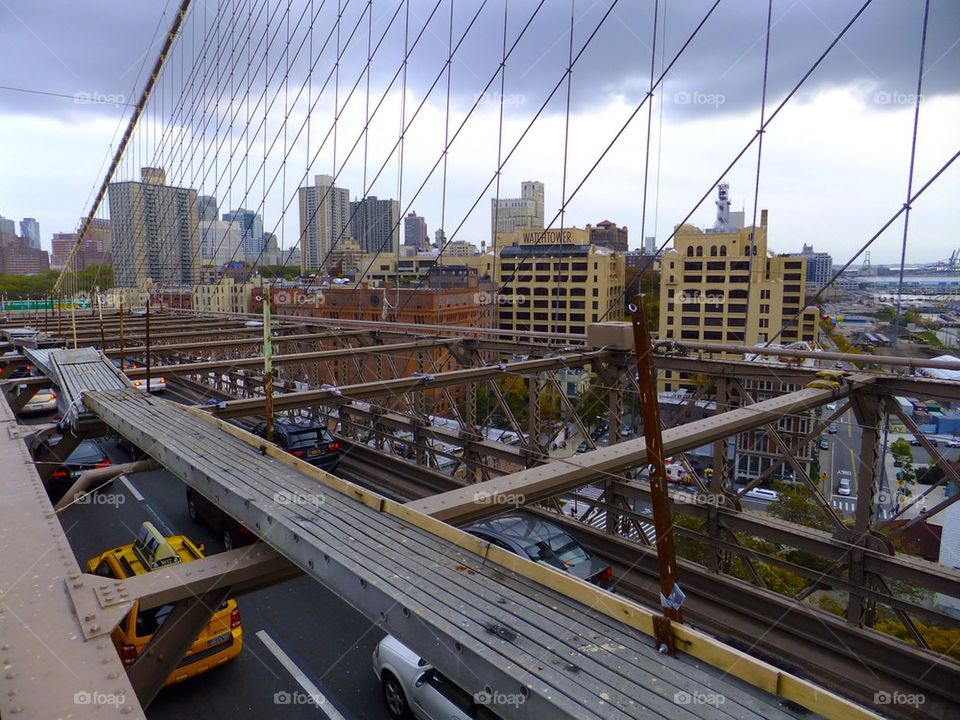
(152, 548)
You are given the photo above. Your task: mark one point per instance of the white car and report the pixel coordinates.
(43, 401)
(763, 494)
(953, 443)
(412, 688)
(844, 482)
(157, 384)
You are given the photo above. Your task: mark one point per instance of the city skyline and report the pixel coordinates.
(820, 147)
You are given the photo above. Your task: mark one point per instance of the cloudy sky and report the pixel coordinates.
(835, 159)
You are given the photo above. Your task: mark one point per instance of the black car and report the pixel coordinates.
(232, 533)
(87, 456)
(542, 541)
(306, 439)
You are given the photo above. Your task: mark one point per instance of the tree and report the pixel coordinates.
(795, 504)
(592, 403)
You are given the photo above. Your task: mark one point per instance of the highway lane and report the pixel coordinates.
(322, 635)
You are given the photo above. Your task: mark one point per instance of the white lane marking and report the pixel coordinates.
(133, 491)
(319, 699)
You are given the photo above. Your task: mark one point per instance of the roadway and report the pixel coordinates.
(258, 683)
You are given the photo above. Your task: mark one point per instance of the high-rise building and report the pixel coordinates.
(560, 284)
(375, 224)
(18, 258)
(154, 231)
(415, 232)
(207, 208)
(94, 251)
(8, 228)
(515, 214)
(710, 291)
(324, 221)
(819, 266)
(607, 234)
(30, 229)
(650, 245)
(221, 242)
(251, 228)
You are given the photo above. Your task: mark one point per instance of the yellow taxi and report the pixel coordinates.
(219, 642)
(828, 380)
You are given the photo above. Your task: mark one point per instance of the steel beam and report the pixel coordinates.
(555, 477)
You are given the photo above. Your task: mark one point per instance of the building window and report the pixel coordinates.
(689, 253)
(713, 251)
(699, 250)
(723, 251)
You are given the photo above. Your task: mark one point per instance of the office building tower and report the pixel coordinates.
(324, 221)
(375, 224)
(509, 215)
(415, 232)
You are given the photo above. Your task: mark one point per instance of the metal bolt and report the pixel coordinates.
(663, 649)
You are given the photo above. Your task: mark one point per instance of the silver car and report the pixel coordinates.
(412, 688)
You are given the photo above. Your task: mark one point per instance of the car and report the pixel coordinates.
(412, 688)
(253, 323)
(759, 493)
(542, 541)
(583, 447)
(220, 640)
(953, 443)
(933, 442)
(42, 401)
(626, 431)
(21, 371)
(304, 438)
(86, 456)
(844, 482)
(915, 442)
(831, 406)
(833, 429)
(232, 533)
(838, 366)
(157, 384)
(824, 444)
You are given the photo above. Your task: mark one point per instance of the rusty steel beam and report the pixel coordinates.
(346, 393)
(290, 359)
(555, 477)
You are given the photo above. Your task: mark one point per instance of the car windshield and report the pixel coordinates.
(559, 550)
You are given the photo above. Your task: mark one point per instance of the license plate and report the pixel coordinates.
(314, 452)
(218, 639)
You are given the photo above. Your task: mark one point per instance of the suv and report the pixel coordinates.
(232, 533)
(218, 642)
(306, 439)
(542, 541)
(412, 688)
(87, 456)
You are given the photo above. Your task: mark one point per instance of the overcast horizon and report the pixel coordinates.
(835, 160)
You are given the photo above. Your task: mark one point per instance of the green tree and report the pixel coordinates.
(795, 504)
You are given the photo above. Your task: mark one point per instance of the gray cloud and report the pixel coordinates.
(94, 50)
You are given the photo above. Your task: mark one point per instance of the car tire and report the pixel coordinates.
(192, 508)
(394, 697)
(229, 543)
